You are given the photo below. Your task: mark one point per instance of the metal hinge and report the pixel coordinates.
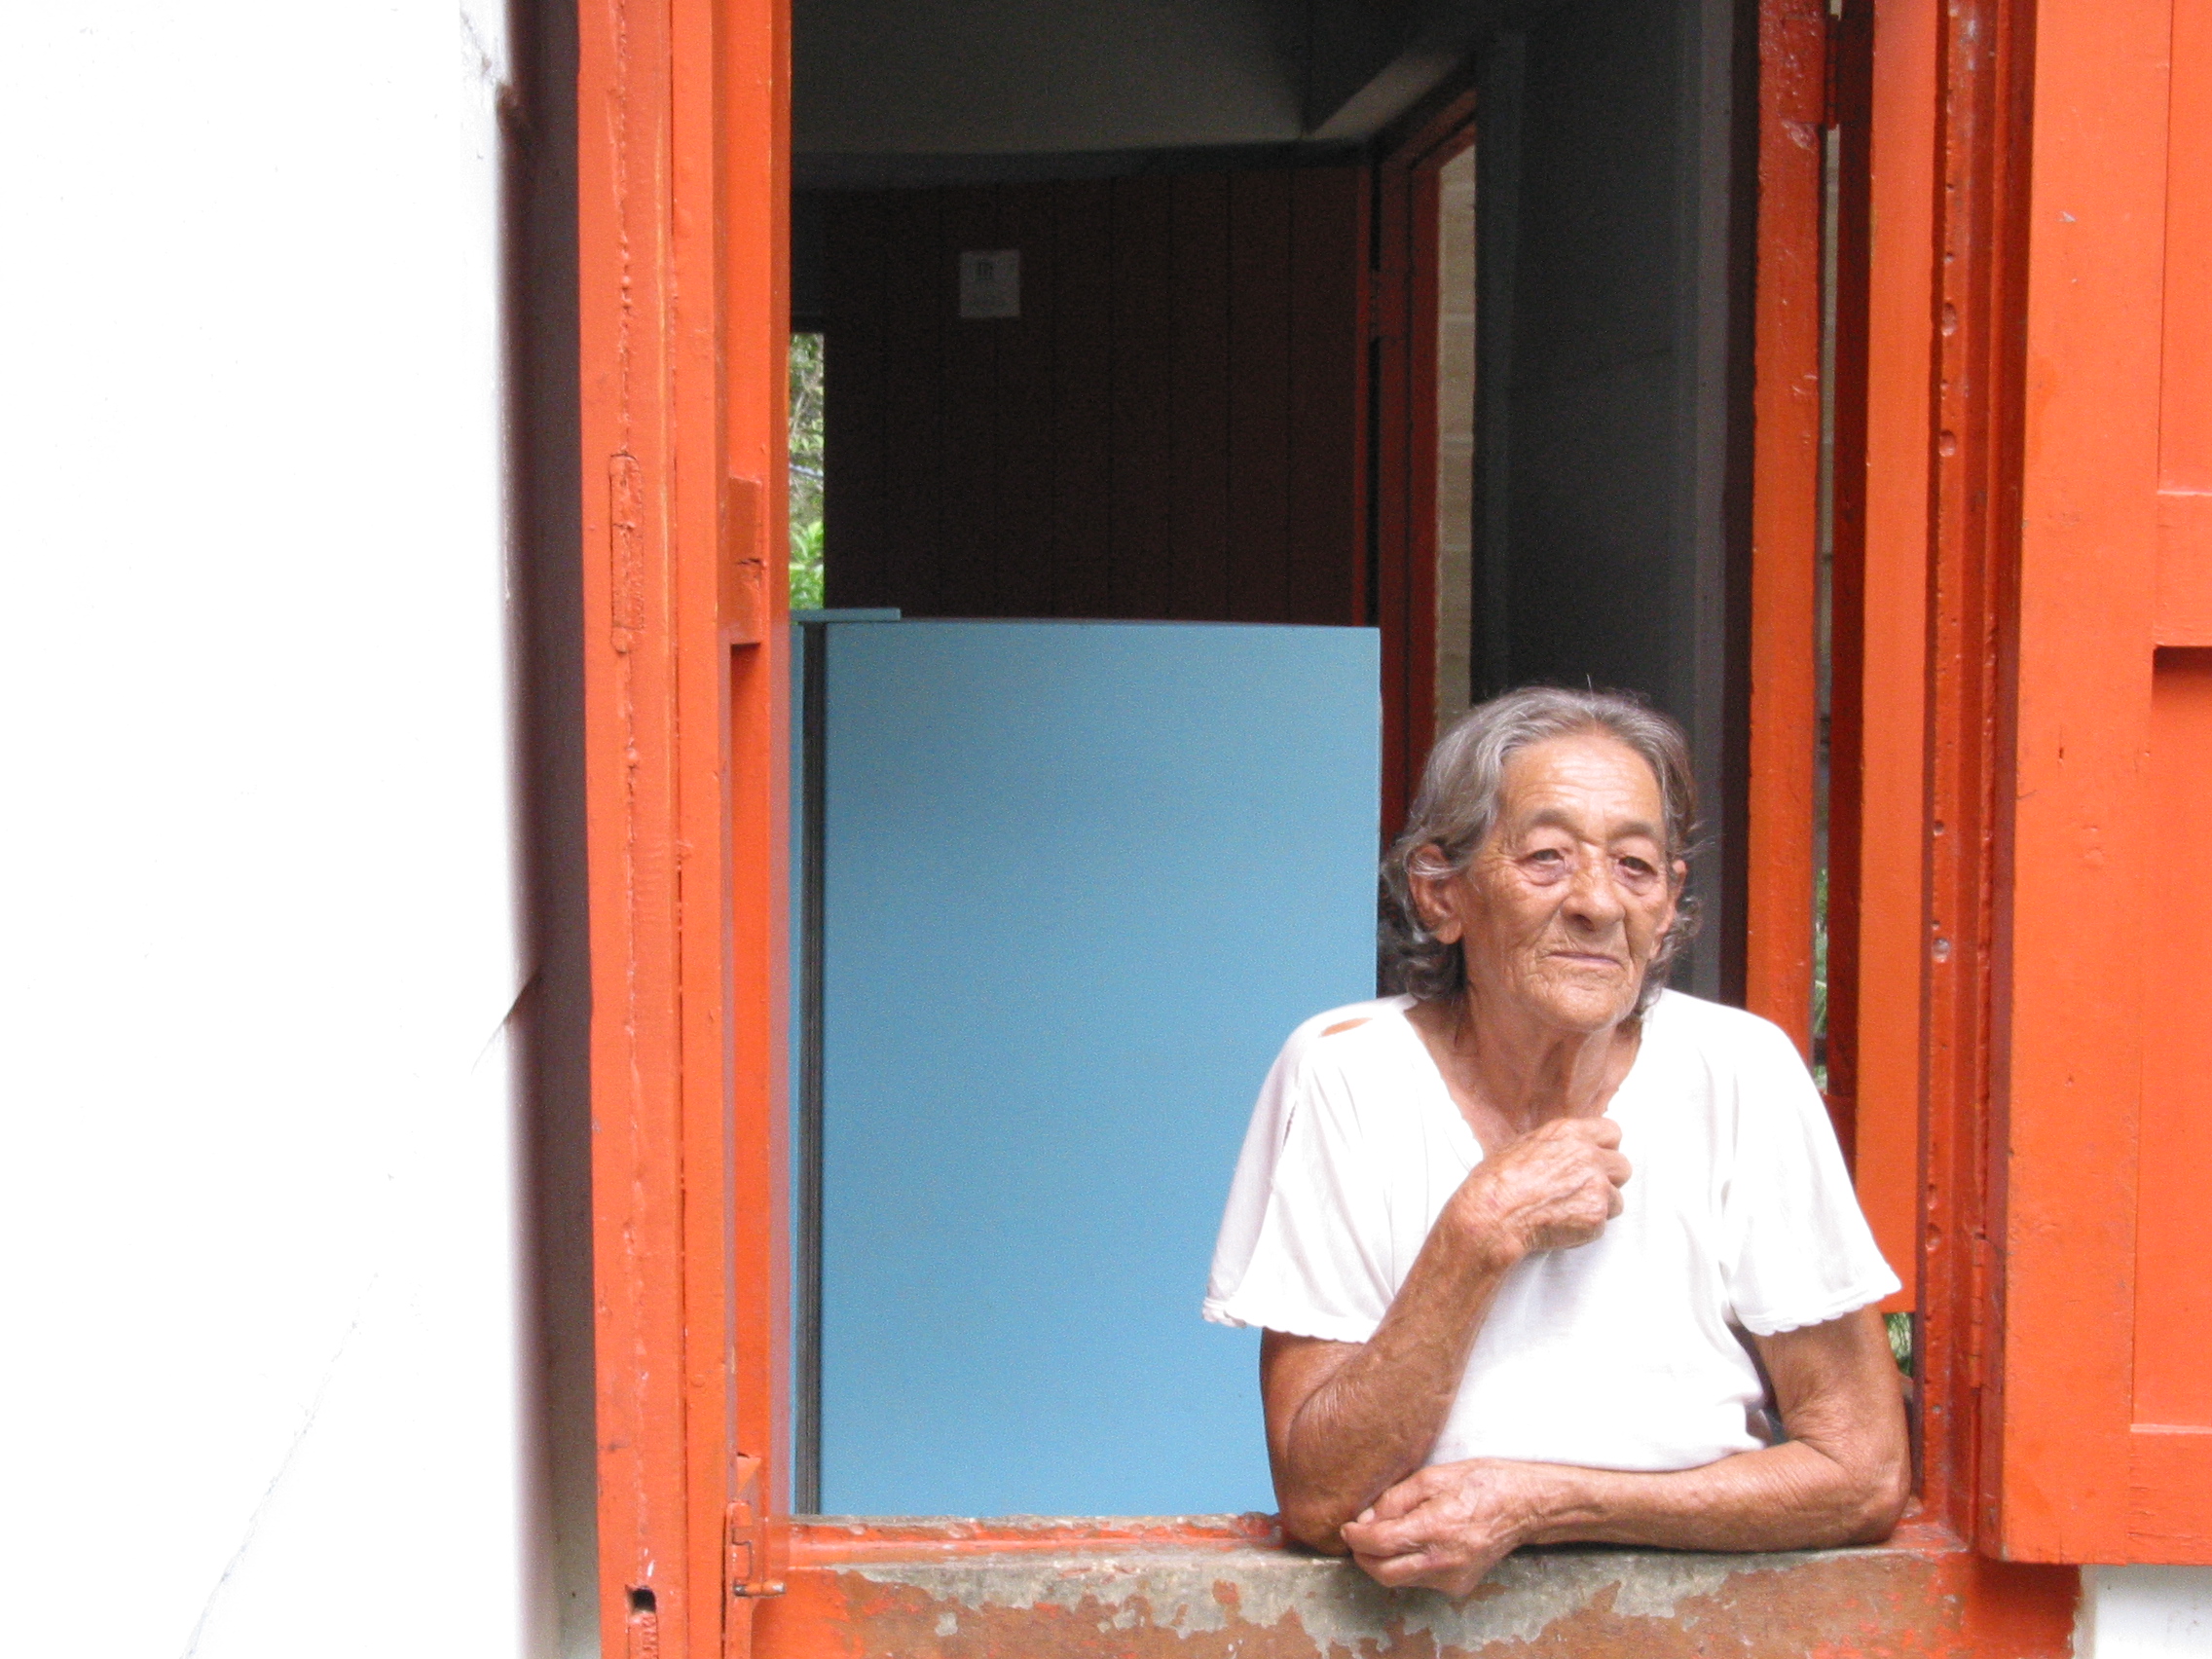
(745, 1537)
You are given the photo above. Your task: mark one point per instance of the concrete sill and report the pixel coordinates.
(1223, 1586)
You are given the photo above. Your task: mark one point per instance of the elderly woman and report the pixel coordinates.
(1528, 1242)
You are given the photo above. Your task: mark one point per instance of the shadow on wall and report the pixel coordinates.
(552, 1021)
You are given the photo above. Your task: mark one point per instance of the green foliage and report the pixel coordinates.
(1900, 1339)
(806, 472)
(806, 566)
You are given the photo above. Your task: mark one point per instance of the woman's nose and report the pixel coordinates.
(1590, 896)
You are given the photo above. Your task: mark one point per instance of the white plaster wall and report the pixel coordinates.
(257, 1212)
(2145, 1612)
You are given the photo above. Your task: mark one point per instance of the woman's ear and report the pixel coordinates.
(1435, 897)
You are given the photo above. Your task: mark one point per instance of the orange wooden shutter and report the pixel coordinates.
(682, 192)
(2104, 1074)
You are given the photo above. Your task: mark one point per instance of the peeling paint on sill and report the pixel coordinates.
(1134, 1598)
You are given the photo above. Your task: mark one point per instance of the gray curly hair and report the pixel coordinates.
(1461, 789)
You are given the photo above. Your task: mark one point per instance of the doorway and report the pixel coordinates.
(1457, 359)
(1205, 398)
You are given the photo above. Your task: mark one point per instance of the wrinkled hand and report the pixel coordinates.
(1445, 1527)
(1555, 1187)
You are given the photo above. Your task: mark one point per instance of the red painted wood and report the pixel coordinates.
(737, 928)
(2170, 1447)
(683, 324)
(1024, 561)
(1327, 555)
(1197, 477)
(1850, 79)
(1144, 407)
(2185, 424)
(1892, 646)
(625, 301)
(1083, 399)
(2184, 567)
(1777, 926)
(970, 416)
(2185, 328)
(1975, 472)
(2104, 1450)
(2173, 1228)
(2184, 410)
(1260, 268)
(2080, 827)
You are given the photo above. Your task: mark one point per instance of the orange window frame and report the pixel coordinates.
(683, 190)
(683, 226)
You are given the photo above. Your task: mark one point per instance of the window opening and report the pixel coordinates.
(806, 474)
(1175, 424)
(1170, 424)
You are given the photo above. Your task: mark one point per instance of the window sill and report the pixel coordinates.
(1211, 1586)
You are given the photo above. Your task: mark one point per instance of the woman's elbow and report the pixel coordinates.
(1316, 1523)
(1884, 1490)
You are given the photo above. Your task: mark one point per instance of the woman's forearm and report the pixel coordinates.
(1450, 1524)
(1373, 1419)
(1841, 1478)
(1342, 1426)
(1783, 1498)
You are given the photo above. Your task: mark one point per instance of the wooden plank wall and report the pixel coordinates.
(1174, 427)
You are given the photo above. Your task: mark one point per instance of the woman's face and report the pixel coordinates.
(1563, 906)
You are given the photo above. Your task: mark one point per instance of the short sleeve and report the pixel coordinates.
(1305, 1239)
(1798, 1250)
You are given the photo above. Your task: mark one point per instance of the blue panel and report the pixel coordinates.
(1081, 881)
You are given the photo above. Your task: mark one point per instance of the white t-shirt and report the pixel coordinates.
(1622, 1353)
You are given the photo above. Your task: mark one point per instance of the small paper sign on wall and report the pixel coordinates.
(990, 283)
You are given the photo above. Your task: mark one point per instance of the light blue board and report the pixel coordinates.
(1081, 881)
